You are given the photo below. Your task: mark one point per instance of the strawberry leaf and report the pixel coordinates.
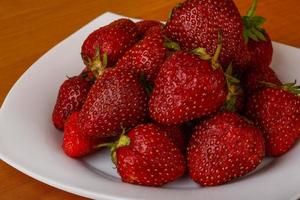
(253, 25)
(202, 53)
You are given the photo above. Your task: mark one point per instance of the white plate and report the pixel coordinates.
(30, 143)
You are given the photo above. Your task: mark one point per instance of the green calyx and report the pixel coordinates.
(288, 87)
(234, 90)
(202, 53)
(97, 64)
(292, 87)
(169, 44)
(88, 76)
(253, 25)
(123, 141)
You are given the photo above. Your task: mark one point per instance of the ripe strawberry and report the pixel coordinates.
(146, 156)
(144, 25)
(196, 23)
(117, 99)
(254, 77)
(71, 97)
(107, 44)
(146, 56)
(222, 148)
(76, 146)
(187, 87)
(259, 42)
(276, 111)
(176, 135)
(261, 51)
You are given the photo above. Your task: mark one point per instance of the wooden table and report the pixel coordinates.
(29, 28)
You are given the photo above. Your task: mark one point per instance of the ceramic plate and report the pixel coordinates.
(30, 143)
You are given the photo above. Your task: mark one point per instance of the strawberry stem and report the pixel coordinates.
(124, 140)
(252, 10)
(233, 89)
(169, 44)
(214, 61)
(121, 142)
(109, 144)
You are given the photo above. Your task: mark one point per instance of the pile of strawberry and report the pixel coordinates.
(196, 94)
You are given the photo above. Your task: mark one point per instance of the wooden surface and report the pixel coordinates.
(29, 28)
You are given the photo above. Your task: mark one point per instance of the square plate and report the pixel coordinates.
(30, 143)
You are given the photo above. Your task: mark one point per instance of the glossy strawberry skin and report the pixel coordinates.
(196, 23)
(254, 77)
(186, 88)
(277, 113)
(76, 146)
(176, 134)
(144, 25)
(150, 159)
(261, 52)
(116, 100)
(146, 56)
(113, 39)
(222, 148)
(71, 97)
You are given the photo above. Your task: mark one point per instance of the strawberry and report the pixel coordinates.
(196, 23)
(71, 97)
(276, 111)
(146, 56)
(259, 42)
(254, 77)
(222, 148)
(117, 99)
(146, 156)
(144, 25)
(261, 51)
(107, 44)
(76, 146)
(187, 87)
(176, 135)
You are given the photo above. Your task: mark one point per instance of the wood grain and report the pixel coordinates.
(29, 28)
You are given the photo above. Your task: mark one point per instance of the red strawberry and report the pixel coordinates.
(176, 134)
(117, 99)
(71, 97)
(146, 56)
(146, 156)
(107, 44)
(276, 111)
(144, 25)
(74, 145)
(196, 23)
(222, 148)
(187, 88)
(259, 42)
(254, 77)
(261, 51)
